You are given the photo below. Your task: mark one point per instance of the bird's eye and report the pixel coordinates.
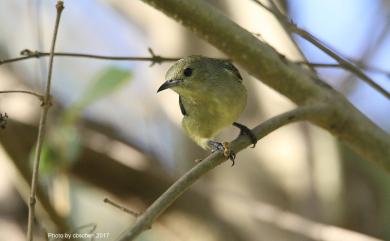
(187, 72)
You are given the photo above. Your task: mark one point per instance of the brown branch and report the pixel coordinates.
(146, 219)
(42, 127)
(344, 63)
(29, 54)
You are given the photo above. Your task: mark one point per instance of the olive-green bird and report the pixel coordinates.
(211, 98)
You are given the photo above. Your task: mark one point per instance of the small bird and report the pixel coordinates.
(211, 98)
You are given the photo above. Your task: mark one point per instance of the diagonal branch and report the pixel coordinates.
(342, 61)
(342, 119)
(146, 219)
(42, 128)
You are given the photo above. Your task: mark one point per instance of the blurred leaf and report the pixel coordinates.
(48, 160)
(60, 149)
(107, 81)
(62, 146)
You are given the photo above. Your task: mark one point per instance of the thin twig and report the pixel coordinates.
(39, 96)
(155, 59)
(6, 61)
(146, 219)
(319, 44)
(124, 209)
(42, 127)
(29, 54)
(342, 61)
(332, 65)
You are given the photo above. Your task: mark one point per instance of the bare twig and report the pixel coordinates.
(6, 61)
(29, 54)
(39, 96)
(146, 219)
(292, 27)
(330, 65)
(342, 61)
(124, 209)
(42, 127)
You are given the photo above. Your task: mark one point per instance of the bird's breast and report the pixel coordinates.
(208, 115)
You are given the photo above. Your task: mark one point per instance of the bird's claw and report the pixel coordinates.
(246, 131)
(228, 153)
(225, 149)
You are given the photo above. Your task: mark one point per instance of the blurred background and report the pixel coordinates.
(111, 136)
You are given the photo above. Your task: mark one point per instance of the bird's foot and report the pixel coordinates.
(246, 131)
(224, 148)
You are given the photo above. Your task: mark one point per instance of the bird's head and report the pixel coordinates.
(186, 76)
(195, 75)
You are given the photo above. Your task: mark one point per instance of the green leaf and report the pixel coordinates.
(106, 82)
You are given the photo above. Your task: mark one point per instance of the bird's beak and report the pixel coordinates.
(168, 84)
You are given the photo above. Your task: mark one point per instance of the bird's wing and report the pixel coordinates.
(229, 66)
